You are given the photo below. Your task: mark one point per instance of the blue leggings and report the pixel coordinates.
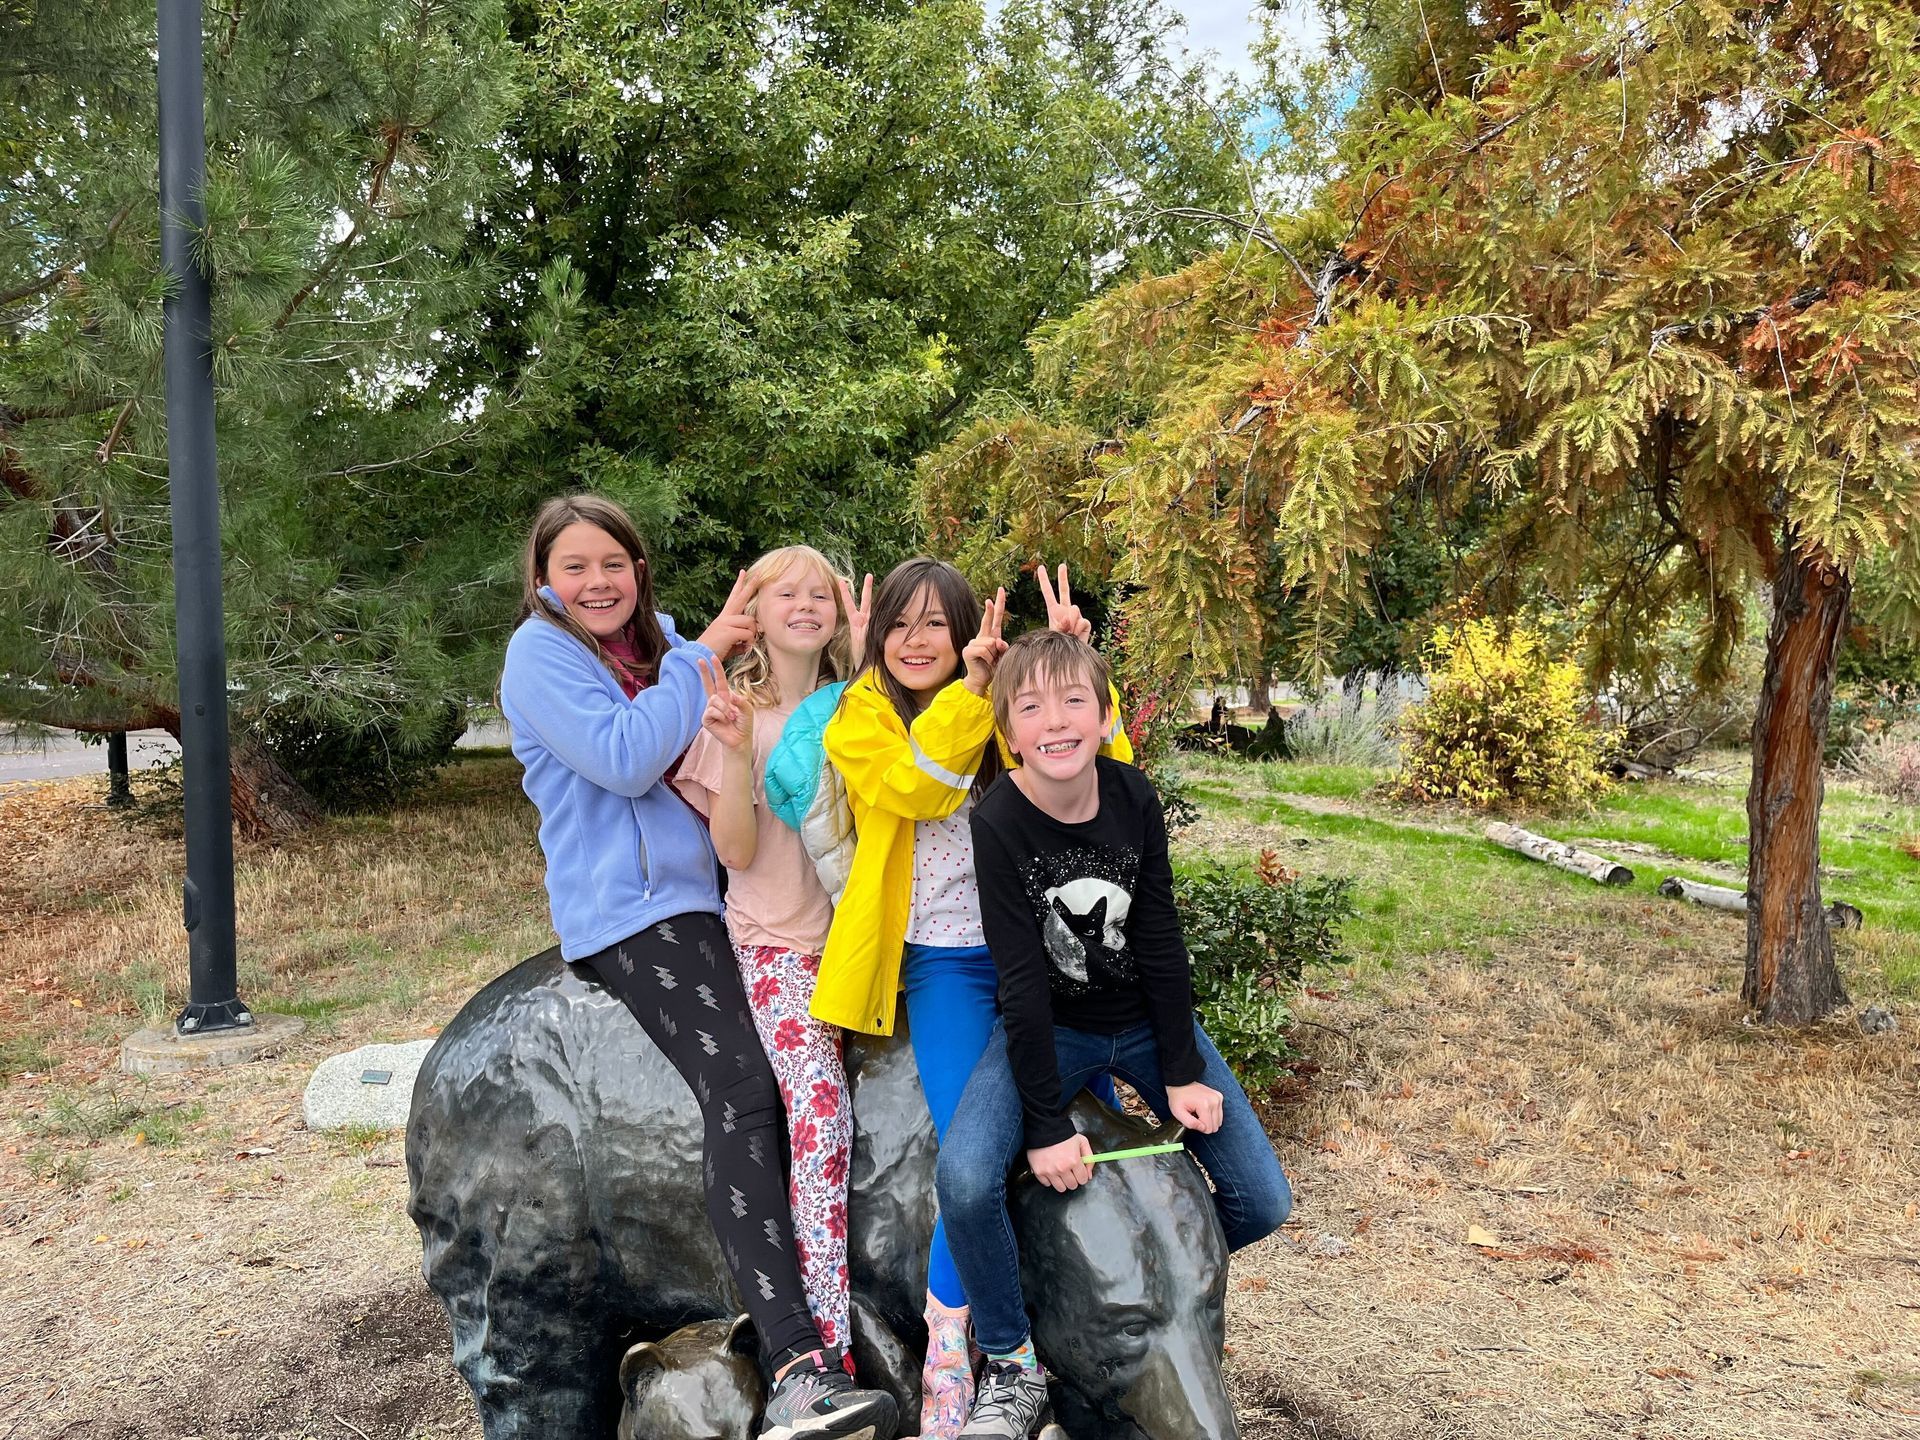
(953, 1003)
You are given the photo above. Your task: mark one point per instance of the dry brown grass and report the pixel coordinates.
(1583, 1198)
(363, 911)
(131, 1270)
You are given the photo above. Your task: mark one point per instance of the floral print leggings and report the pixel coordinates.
(805, 1054)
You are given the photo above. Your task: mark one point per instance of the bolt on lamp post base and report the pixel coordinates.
(219, 1015)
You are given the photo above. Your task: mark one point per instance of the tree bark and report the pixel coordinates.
(268, 803)
(1791, 978)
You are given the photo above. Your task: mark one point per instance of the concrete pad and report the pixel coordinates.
(370, 1087)
(166, 1052)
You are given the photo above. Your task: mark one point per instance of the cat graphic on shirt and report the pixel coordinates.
(1085, 930)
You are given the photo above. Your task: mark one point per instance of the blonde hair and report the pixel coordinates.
(649, 641)
(752, 674)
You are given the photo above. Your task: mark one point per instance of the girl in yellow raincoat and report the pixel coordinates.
(914, 741)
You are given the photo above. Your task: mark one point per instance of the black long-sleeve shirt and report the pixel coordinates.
(1081, 922)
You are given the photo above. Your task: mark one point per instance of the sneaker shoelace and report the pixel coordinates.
(1000, 1390)
(810, 1381)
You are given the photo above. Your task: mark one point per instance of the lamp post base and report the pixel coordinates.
(167, 1051)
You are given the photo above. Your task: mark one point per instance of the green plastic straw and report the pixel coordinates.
(1135, 1153)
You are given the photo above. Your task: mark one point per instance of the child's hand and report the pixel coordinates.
(857, 615)
(1196, 1106)
(1062, 614)
(728, 719)
(732, 629)
(1062, 1167)
(983, 652)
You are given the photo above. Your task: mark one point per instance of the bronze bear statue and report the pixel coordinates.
(554, 1161)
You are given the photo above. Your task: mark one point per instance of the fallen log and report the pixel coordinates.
(1840, 915)
(1596, 868)
(1706, 777)
(1714, 897)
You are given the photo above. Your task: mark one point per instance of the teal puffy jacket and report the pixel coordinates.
(807, 793)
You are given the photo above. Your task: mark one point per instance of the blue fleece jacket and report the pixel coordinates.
(623, 849)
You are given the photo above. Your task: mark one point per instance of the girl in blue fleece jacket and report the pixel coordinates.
(603, 698)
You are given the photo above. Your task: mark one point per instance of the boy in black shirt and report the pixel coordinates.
(1076, 897)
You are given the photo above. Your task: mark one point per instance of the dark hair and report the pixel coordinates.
(894, 601)
(1051, 658)
(649, 641)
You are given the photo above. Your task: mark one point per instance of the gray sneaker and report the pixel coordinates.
(1009, 1404)
(815, 1397)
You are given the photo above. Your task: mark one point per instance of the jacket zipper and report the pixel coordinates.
(640, 848)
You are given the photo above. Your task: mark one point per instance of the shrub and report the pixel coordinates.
(1251, 933)
(1502, 723)
(1350, 728)
(1152, 720)
(371, 767)
(1888, 763)
(1863, 712)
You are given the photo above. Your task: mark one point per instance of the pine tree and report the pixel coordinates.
(348, 142)
(1633, 284)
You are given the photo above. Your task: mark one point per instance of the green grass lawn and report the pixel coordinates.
(1430, 882)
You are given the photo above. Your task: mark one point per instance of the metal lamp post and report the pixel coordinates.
(213, 1001)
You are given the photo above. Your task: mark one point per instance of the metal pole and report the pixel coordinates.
(213, 1002)
(119, 792)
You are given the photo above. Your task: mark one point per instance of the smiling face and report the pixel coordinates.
(918, 649)
(595, 578)
(797, 610)
(1055, 724)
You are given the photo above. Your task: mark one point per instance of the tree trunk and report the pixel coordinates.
(1791, 977)
(268, 803)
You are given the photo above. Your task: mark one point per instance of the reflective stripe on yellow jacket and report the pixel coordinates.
(895, 777)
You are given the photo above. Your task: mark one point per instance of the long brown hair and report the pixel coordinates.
(644, 633)
(899, 598)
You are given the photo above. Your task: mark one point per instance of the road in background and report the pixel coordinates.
(61, 752)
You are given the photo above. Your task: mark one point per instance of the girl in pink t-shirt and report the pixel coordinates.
(777, 910)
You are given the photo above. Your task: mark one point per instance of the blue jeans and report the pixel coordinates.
(988, 1133)
(953, 1006)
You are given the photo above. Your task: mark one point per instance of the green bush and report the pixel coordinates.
(372, 767)
(1501, 724)
(1863, 715)
(1251, 934)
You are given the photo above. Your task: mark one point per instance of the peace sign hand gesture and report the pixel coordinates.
(983, 652)
(857, 615)
(1062, 614)
(732, 629)
(727, 718)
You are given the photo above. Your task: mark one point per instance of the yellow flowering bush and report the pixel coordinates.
(1502, 724)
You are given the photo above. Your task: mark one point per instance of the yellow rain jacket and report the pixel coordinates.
(895, 777)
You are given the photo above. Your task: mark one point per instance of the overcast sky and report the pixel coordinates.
(1226, 27)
